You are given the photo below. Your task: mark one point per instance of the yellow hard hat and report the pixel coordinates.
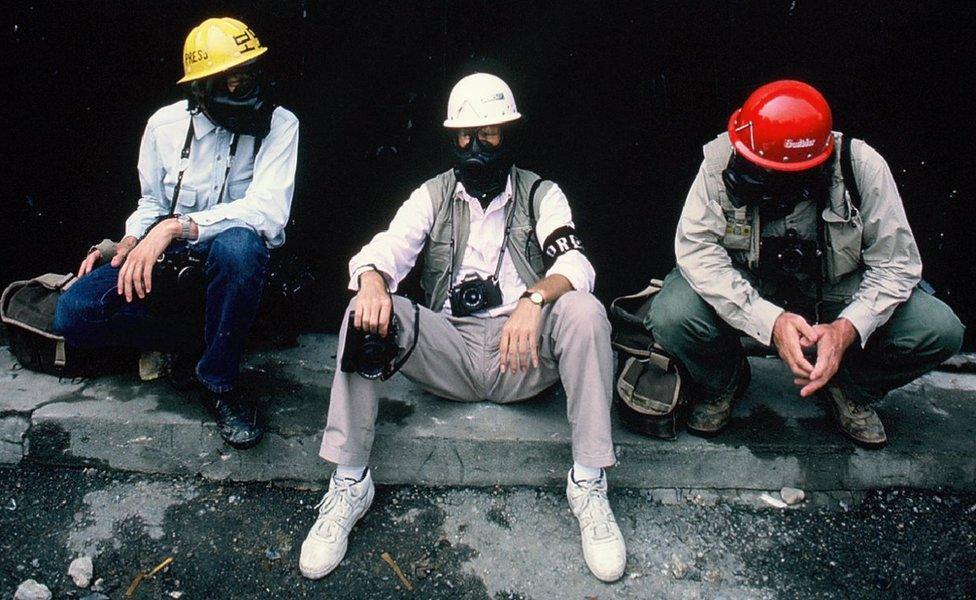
(217, 45)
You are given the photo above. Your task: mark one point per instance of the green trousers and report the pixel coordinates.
(920, 335)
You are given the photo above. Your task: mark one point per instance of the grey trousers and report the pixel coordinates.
(457, 358)
(918, 337)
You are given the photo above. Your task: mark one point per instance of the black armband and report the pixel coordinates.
(560, 242)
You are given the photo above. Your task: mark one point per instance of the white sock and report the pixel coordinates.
(583, 473)
(347, 472)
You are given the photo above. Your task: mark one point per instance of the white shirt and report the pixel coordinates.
(258, 192)
(395, 250)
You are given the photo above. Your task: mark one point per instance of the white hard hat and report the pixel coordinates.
(480, 99)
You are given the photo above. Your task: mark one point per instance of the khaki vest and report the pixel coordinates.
(452, 212)
(843, 231)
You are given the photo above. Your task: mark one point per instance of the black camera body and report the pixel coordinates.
(790, 254)
(473, 294)
(370, 354)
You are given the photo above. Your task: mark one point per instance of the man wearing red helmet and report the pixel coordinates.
(796, 236)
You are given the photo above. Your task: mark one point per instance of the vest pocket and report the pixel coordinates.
(845, 234)
(738, 230)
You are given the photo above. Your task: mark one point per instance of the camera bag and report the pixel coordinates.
(647, 385)
(27, 311)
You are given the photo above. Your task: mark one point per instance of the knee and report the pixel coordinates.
(73, 310)
(239, 250)
(673, 320)
(945, 334)
(581, 309)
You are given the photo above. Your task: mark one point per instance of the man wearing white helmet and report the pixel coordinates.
(508, 314)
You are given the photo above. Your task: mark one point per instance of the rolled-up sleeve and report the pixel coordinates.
(266, 204)
(708, 268)
(393, 252)
(554, 212)
(152, 201)
(893, 265)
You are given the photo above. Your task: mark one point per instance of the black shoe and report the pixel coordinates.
(237, 419)
(182, 372)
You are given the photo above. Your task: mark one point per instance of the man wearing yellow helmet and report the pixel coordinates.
(217, 173)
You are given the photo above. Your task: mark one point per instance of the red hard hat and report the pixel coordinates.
(783, 126)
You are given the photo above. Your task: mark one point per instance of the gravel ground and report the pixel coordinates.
(230, 540)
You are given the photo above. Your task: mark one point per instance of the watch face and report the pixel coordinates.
(537, 298)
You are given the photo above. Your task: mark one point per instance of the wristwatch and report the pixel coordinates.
(534, 297)
(184, 221)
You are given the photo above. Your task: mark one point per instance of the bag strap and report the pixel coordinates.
(652, 288)
(847, 171)
(532, 191)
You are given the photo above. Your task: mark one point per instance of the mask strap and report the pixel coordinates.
(184, 163)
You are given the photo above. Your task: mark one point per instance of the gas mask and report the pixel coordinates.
(245, 111)
(481, 167)
(776, 193)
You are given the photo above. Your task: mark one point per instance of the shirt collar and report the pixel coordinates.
(506, 195)
(202, 125)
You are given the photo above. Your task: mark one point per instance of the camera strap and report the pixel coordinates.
(509, 217)
(185, 162)
(416, 335)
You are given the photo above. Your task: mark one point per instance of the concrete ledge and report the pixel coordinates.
(775, 438)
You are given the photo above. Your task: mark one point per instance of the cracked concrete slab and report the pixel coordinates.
(775, 438)
(12, 431)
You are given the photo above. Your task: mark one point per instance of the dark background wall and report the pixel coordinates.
(619, 98)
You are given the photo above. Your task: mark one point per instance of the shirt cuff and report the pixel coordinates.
(764, 315)
(860, 315)
(354, 279)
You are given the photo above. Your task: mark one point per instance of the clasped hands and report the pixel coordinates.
(792, 335)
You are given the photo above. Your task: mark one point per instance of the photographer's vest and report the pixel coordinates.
(843, 225)
(453, 212)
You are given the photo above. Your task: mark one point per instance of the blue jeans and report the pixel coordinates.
(235, 262)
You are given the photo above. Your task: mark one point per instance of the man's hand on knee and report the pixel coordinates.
(833, 339)
(135, 277)
(791, 334)
(374, 306)
(520, 338)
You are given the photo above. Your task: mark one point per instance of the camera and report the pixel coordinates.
(790, 254)
(370, 354)
(178, 270)
(473, 294)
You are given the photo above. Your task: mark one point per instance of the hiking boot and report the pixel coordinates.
(603, 545)
(325, 545)
(857, 421)
(237, 418)
(710, 415)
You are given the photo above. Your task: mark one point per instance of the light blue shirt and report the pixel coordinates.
(259, 189)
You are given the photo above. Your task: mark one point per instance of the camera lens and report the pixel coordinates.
(791, 258)
(372, 356)
(471, 297)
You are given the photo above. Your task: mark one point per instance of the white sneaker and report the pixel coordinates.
(344, 504)
(603, 544)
